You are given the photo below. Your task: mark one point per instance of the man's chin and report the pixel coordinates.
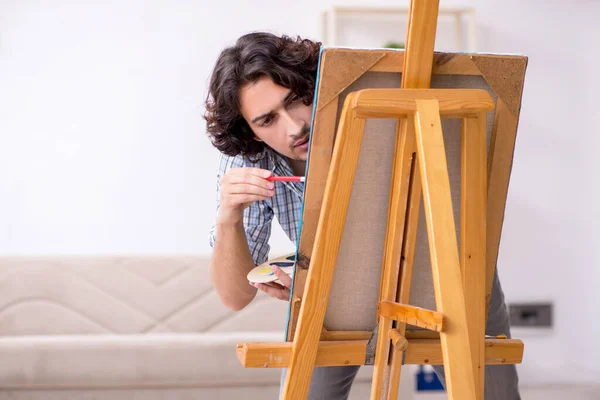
(297, 154)
(301, 155)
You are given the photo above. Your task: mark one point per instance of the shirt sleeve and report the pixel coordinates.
(257, 218)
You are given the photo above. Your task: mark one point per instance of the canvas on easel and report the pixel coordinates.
(343, 71)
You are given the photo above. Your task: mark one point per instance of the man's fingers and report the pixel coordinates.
(263, 173)
(248, 188)
(247, 172)
(283, 277)
(249, 179)
(246, 183)
(281, 294)
(275, 285)
(237, 199)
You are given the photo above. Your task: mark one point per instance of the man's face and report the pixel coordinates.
(277, 117)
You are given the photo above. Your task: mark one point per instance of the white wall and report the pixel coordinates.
(103, 150)
(549, 242)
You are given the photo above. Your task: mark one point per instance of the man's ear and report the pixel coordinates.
(257, 138)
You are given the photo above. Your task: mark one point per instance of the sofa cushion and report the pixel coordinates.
(206, 359)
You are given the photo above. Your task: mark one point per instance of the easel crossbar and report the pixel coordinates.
(391, 103)
(353, 352)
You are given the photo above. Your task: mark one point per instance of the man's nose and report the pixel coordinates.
(293, 126)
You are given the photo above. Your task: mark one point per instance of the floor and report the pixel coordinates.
(527, 393)
(546, 393)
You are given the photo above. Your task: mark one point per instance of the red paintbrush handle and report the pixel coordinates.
(286, 178)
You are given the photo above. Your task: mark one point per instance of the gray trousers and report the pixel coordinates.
(501, 381)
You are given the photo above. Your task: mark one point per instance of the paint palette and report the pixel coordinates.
(264, 274)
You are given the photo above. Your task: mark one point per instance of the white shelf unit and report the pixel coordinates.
(464, 20)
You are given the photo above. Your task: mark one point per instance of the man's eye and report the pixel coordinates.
(266, 121)
(293, 99)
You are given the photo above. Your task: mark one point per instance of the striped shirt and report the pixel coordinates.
(285, 204)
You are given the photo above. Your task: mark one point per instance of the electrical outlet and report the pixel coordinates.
(538, 315)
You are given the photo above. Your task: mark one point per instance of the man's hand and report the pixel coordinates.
(281, 292)
(240, 187)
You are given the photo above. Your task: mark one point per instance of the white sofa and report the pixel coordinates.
(136, 327)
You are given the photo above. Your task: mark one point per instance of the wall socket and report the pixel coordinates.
(538, 315)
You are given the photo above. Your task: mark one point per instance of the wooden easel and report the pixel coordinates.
(419, 167)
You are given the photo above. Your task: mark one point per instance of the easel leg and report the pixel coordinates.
(322, 264)
(443, 248)
(409, 239)
(418, 59)
(473, 238)
(502, 141)
(406, 264)
(403, 160)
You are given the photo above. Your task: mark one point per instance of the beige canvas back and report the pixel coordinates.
(355, 290)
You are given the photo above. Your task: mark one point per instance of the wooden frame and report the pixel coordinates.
(340, 68)
(504, 74)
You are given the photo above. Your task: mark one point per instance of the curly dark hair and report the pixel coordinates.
(289, 62)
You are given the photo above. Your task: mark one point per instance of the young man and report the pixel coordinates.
(258, 114)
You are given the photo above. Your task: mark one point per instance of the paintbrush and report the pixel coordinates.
(286, 178)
